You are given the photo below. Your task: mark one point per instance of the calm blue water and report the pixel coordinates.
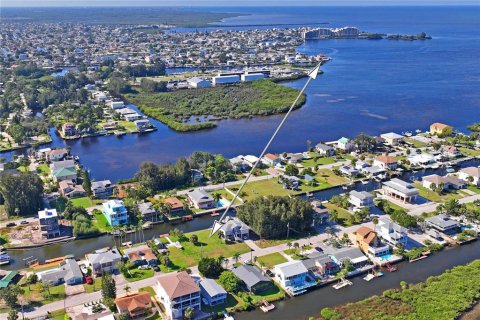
(369, 86)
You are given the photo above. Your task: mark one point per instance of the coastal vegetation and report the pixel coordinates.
(270, 217)
(441, 297)
(21, 193)
(175, 109)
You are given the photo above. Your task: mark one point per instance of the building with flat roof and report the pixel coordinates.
(212, 293)
(49, 226)
(443, 223)
(115, 212)
(400, 190)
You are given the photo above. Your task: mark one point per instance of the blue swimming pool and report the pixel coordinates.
(386, 257)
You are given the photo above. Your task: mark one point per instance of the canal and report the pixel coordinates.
(310, 304)
(80, 247)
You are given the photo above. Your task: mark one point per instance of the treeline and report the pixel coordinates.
(141, 70)
(270, 216)
(22, 129)
(81, 221)
(21, 193)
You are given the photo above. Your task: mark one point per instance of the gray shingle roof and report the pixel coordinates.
(250, 275)
(212, 287)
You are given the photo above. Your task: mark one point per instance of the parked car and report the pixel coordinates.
(24, 222)
(156, 268)
(11, 224)
(88, 280)
(144, 267)
(84, 269)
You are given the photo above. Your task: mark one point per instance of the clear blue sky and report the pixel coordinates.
(225, 3)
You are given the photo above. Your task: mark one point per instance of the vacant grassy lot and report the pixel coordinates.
(343, 215)
(435, 197)
(271, 259)
(139, 274)
(102, 223)
(317, 160)
(469, 152)
(262, 188)
(85, 202)
(33, 293)
(327, 176)
(206, 247)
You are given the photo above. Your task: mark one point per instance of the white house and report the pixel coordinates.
(400, 189)
(200, 199)
(391, 232)
(177, 292)
(250, 160)
(391, 138)
(447, 182)
(361, 199)
(470, 174)
(324, 149)
(386, 162)
(197, 82)
(344, 144)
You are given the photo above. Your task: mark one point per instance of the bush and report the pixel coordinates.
(229, 281)
(330, 314)
(210, 267)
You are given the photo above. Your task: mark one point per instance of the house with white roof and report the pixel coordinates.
(200, 199)
(361, 199)
(391, 138)
(443, 223)
(391, 232)
(212, 293)
(294, 277)
(399, 189)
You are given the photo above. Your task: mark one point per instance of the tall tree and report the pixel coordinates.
(109, 291)
(22, 192)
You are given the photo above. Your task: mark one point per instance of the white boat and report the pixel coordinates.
(373, 275)
(343, 283)
(365, 182)
(4, 259)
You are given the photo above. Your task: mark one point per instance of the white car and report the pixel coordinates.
(84, 269)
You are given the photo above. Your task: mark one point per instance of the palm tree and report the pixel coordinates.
(236, 257)
(127, 289)
(333, 216)
(216, 196)
(188, 313)
(289, 245)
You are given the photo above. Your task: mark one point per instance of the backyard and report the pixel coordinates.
(139, 274)
(269, 260)
(102, 223)
(327, 176)
(435, 197)
(85, 202)
(344, 217)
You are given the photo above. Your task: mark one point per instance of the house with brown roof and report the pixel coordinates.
(446, 182)
(68, 129)
(176, 206)
(271, 160)
(450, 151)
(135, 305)
(369, 243)
(177, 292)
(70, 190)
(440, 129)
(470, 174)
(141, 255)
(386, 162)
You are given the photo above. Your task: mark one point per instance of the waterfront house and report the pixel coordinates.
(445, 182)
(391, 232)
(197, 82)
(250, 160)
(212, 293)
(352, 254)
(70, 190)
(293, 158)
(68, 272)
(148, 212)
(175, 205)
(141, 255)
(271, 160)
(450, 152)
(116, 105)
(360, 199)
(48, 223)
(200, 199)
(349, 171)
(102, 189)
(368, 242)
(443, 223)
(293, 276)
(399, 189)
(374, 171)
(197, 175)
(135, 305)
(62, 164)
(421, 159)
(320, 264)
(142, 123)
(103, 261)
(115, 212)
(471, 175)
(68, 129)
(64, 174)
(132, 117)
(344, 144)
(253, 279)
(239, 164)
(391, 138)
(324, 150)
(386, 162)
(177, 292)
(440, 129)
(57, 154)
(234, 230)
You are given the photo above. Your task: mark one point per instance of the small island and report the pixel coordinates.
(195, 109)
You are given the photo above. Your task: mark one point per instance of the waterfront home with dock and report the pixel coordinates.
(68, 272)
(399, 189)
(103, 261)
(293, 277)
(443, 223)
(369, 243)
(320, 264)
(48, 221)
(177, 292)
(70, 190)
(470, 174)
(148, 212)
(200, 199)
(386, 162)
(361, 199)
(115, 212)
(392, 138)
(445, 182)
(141, 255)
(212, 293)
(324, 150)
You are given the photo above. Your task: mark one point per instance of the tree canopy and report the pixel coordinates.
(22, 193)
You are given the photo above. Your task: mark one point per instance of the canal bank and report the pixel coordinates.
(311, 303)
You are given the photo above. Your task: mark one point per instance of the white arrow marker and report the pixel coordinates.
(219, 223)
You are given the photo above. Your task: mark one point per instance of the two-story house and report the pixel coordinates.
(360, 199)
(177, 292)
(105, 261)
(391, 232)
(115, 212)
(293, 276)
(369, 243)
(212, 293)
(102, 189)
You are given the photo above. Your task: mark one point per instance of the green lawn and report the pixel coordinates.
(310, 163)
(206, 247)
(58, 314)
(294, 253)
(273, 294)
(262, 188)
(102, 223)
(435, 197)
(469, 152)
(140, 274)
(392, 205)
(474, 188)
(85, 202)
(149, 290)
(44, 168)
(33, 293)
(343, 215)
(416, 143)
(327, 176)
(96, 286)
(271, 259)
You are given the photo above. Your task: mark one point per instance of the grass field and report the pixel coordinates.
(435, 197)
(43, 168)
(327, 176)
(310, 163)
(263, 188)
(139, 274)
(416, 143)
(474, 189)
(271, 259)
(102, 223)
(34, 293)
(96, 286)
(342, 214)
(206, 247)
(469, 152)
(85, 202)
